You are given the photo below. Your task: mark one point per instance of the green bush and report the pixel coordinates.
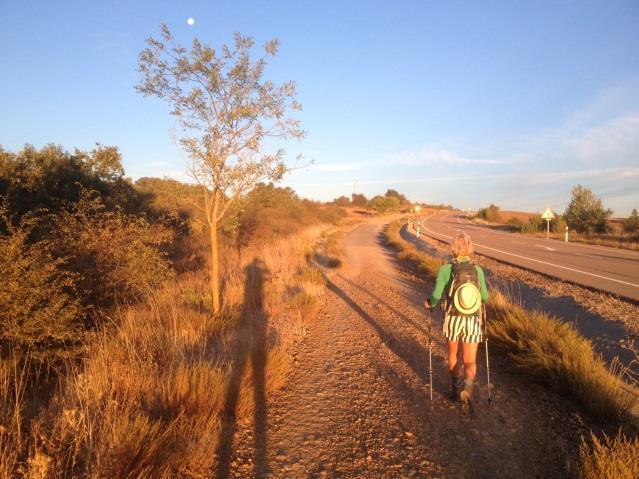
(631, 224)
(490, 213)
(51, 178)
(383, 204)
(359, 200)
(117, 257)
(269, 211)
(39, 308)
(585, 212)
(536, 224)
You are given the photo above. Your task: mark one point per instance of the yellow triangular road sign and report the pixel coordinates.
(548, 214)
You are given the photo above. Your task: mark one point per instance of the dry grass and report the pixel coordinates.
(616, 458)
(556, 353)
(610, 240)
(158, 389)
(12, 388)
(406, 251)
(329, 253)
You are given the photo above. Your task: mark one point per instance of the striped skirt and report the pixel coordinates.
(466, 329)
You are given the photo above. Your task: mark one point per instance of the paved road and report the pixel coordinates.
(609, 269)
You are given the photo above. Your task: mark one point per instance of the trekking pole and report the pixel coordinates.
(430, 352)
(486, 349)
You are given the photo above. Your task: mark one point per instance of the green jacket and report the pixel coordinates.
(444, 278)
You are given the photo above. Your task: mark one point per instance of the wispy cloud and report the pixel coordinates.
(616, 140)
(426, 156)
(334, 167)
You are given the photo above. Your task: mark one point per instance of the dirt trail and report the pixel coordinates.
(357, 402)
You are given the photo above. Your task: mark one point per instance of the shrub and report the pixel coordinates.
(50, 178)
(585, 212)
(382, 204)
(490, 213)
(269, 211)
(631, 224)
(117, 257)
(359, 200)
(38, 305)
(515, 224)
(558, 225)
(342, 201)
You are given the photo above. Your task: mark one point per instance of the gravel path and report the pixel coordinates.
(356, 404)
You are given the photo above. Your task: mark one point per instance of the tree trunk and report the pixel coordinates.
(212, 205)
(214, 268)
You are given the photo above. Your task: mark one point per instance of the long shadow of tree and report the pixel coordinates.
(251, 348)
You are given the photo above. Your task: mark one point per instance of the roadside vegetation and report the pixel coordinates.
(586, 218)
(390, 202)
(112, 360)
(558, 355)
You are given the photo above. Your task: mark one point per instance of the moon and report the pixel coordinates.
(190, 21)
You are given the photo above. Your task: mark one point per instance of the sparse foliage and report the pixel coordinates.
(225, 110)
(585, 212)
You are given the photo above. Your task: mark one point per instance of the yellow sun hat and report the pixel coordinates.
(467, 298)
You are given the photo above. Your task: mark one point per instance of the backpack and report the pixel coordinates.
(464, 297)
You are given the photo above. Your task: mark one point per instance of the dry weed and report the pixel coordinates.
(610, 458)
(156, 387)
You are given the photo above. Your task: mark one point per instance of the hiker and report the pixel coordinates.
(464, 289)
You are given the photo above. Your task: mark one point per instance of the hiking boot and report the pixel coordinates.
(466, 395)
(455, 386)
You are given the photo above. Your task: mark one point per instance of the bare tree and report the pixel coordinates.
(225, 111)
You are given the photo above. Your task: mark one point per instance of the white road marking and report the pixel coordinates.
(547, 248)
(544, 262)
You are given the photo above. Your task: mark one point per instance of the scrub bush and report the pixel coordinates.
(39, 308)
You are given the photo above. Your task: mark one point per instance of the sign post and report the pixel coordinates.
(548, 215)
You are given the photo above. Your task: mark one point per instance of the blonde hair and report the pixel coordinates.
(461, 245)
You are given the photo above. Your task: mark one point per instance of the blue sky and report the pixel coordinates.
(466, 103)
